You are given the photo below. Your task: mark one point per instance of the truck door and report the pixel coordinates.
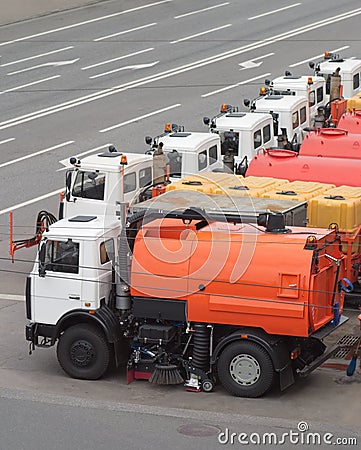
(59, 291)
(107, 259)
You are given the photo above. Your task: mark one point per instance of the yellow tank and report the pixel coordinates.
(298, 190)
(335, 207)
(199, 183)
(266, 183)
(354, 102)
(346, 191)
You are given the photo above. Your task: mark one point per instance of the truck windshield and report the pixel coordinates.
(174, 160)
(89, 185)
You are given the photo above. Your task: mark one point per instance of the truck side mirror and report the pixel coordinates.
(206, 120)
(68, 185)
(42, 253)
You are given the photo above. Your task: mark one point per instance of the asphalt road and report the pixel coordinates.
(40, 422)
(117, 71)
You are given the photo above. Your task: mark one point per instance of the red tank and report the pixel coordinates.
(333, 143)
(291, 166)
(351, 121)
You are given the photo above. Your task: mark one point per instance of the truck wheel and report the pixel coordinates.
(83, 352)
(245, 369)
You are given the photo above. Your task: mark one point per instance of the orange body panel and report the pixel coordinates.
(237, 274)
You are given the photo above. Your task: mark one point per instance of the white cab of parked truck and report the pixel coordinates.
(313, 88)
(243, 133)
(190, 152)
(292, 110)
(350, 72)
(76, 271)
(95, 183)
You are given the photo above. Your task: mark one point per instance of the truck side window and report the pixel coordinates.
(89, 185)
(319, 94)
(62, 256)
(266, 134)
(328, 84)
(257, 139)
(213, 156)
(303, 115)
(202, 160)
(295, 121)
(356, 81)
(174, 159)
(145, 177)
(130, 182)
(107, 251)
(312, 99)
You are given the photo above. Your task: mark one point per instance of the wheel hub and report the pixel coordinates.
(245, 370)
(81, 353)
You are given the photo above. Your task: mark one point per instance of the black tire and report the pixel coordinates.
(83, 352)
(245, 369)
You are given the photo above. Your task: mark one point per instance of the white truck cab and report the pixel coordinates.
(243, 133)
(350, 72)
(73, 270)
(190, 152)
(97, 182)
(313, 88)
(292, 110)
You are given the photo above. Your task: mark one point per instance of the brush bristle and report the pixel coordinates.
(166, 375)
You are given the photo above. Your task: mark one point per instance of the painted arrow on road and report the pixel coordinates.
(251, 64)
(133, 67)
(47, 64)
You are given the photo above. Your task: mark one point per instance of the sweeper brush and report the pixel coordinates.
(166, 374)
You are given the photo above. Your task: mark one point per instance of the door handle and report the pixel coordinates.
(74, 297)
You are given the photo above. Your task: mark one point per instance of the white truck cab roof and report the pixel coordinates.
(346, 65)
(279, 103)
(108, 161)
(241, 121)
(297, 83)
(82, 227)
(186, 141)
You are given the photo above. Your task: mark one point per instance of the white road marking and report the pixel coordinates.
(175, 71)
(274, 11)
(8, 163)
(97, 19)
(201, 34)
(201, 10)
(159, 111)
(317, 56)
(226, 88)
(118, 58)
(250, 64)
(133, 67)
(47, 64)
(30, 202)
(7, 140)
(29, 84)
(125, 32)
(12, 297)
(64, 162)
(36, 56)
